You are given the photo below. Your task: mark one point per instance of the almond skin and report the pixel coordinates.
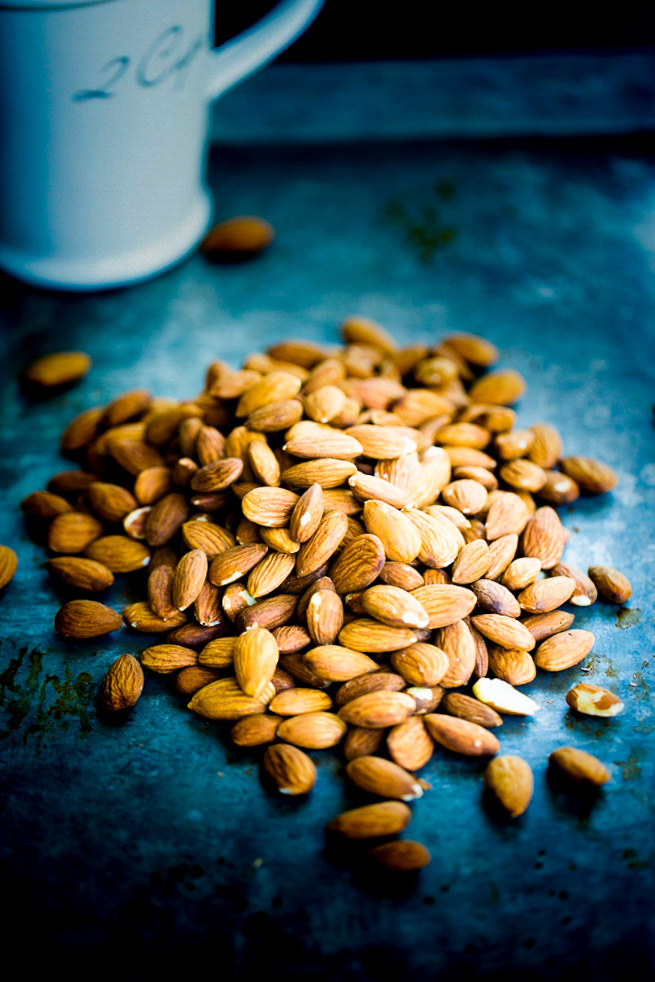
(468, 708)
(8, 565)
(122, 684)
(563, 650)
(86, 619)
(409, 743)
(165, 658)
(372, 821)
(255, 659)
(224, 699)
(289, 769)
(255, 730)
(358, 565)
(44, 505)
(589, 474)
(393, 606)
(240, 237)
(313, 731)
(307, 514)
(293, 702)
(189, 578)
(72, 531)
(377, 710)
(118, 553)
(611, 584)
(510, 780)
(61, 368)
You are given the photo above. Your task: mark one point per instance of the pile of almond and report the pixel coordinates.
(347, 546)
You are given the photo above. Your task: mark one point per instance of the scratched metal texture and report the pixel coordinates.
(152, 831)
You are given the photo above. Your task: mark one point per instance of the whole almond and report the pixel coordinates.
(160, 591)
(72, 531)
(44, 505)
(585, 592)
(373, 681)
(409, 743)
(239, 237)
(193, 678)
(496, 598)
(61, 368)
(289, 768)
(472, 562)
(317, 550)
(543, 537)
(502, 551)
(393, 606)
(400, 538)
(255, 730)
(579, 767)
(189, 578)
(559, 488)
(141, 617)
(165, 658)
(401, 575)
(224, 699)
(593, 700)
(401, 855)
(377, 710)
(384, 778)
(152, 484)
(337, 663)
(468, 708)
(563, 650)
(207, 605)
(122, 684)
(366, 487)
(507, 515)
(86, 619)
(546, 446)
(467, 496)
(307, 514)
(445, 604)
(440, 539)
(498, 388)
(589, 474)
(461, 736)
(457, 643)
(313, 731)
(255, 659)
(81, 430)
(234, 563)
(511, 665)
(511, 782)
(119, 553)
(315, 441)
(293, 702)
(611, 584)
(421, 664)
(211, 538)
(372, 821)
(359, 742)
(520, 573)
(218, 653)
(542, 626)
(324, 616)
(8, 565)
(358, 565)
(365, 634)
(543, 596)
(110, 501)
(166, 517)
(269, 573)
(269, 613)
(504, 631)
(83, 574)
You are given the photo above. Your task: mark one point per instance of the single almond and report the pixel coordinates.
(563, 650)
(472, 562)
(511, 664)
(81, 430)
(440, 539)
(86, 619)
(589, 474)
(211, 538)
(141, 617)
(374, 681)
(166, 658)
(504, 631)
(83, 574)
(372, 821)
(421, 664)
(520, 573)
(377, 710)
(468, 708)
(44, 505)
(510, 780)
(234, 563)
(579, 767)
(119, 553)
(400, 538)
(110, 502)
(358, 565)
(269, 573)
(289, 769)
(255, 659)
(496, 598)
(191, 679)
(72, 531)
(189, 578)
(457, 643)
(61, 368)
(312, 731)
(293, 702)
(542, 626)
(218, 653)
(393, 606)
(166, 517)
(365, 634)
(401, 856)
(324, 616)
(255, 730)
(383, 778)
(611, 584)
(543, 596)
(461, 736)
(444, 603)
(225, 699)
(337, 663)
(122, 684)
(502, 388)
(543, 537)
(507, 515)
(409, 743)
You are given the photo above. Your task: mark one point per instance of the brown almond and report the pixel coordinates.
(269, 573)
(218, 475)
(289, 769)
(444, 603)
(224, 699)
(502, 551)
(211, 538)
(507, 515)
(372, 821)
(189, 578)
(358, 565)
(44, 505)
(365, 634)
(400, 538)
(510, 780)
(141, 617)
(401, 575)
(472, 562)
(589, 474)
(313, 731)
(504, 631)
(401, 856)
(470, 709)
(307, 514)
(384, 778)
(269, 613)
(255, 659)
(81, 430)
(234, 563)
(166, 517)
(543, 596)
(218, 653)
(543, 537)
(409, 744)
(563, 650)
(83, 574)
(421, 664)
(393, 606)
(585, 592)
(160, 591)
(520, 573)
(523, 475)
(193, 678)
(255, 730)
(502, 388)
(579, 767)
(239, 237)
(440, 539)
(317, 550)
(461, 736)
(271, 507)
(457, 643)
(374, 681)
(166, 658)
(119, 553)
(542, 626)
(86, 619)
(324, 616)
(72, 531)
(611, 584)
(512, 665)
(295, 701)
(366, 487)
(122, 684)
(377, 710)
(337, 663)
(546, 446)
(61, 368)
(152, 484)
(496, 598)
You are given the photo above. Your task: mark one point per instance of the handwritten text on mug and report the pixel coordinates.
(165, 58)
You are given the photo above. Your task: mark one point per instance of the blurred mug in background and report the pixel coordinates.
(104, 123)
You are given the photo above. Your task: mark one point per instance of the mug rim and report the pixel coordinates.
(43, 5)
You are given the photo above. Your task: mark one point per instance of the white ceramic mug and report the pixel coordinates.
(103, 131)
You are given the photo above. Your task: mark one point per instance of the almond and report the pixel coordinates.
(559, 489)
(364, 634)
(269, 573)
(141, 617)
(496, 598)
(585, 592)
(579, 767)
(546, 446)
(324, 616)
(8, 565)
(393, 606)
(289, 769)
(61, 368)
(459, 647)
(472, 562)
(337, 663)
(234, 563)
(122, 684)
(511, 665)
(359, 742)
(467, 496)
(511, 782)
(504, 631)
(546, 595)
(44, 505)
(409, 743)
(589, 474)
(72, 531)
(461, 736)
(110, 501)
(543, 537)
(224, 699)
(468, 708)
(166, 517)
(255, 659)
(563, 650)
(218, 653)
(401, 575)
(315, 441)
(218, 475)
(400, 538)
(83, 574)
(377, 710)
(502, 551)
(317, 550)
(365, 487)
(313, 731)
(269, 613)
(152, 484)
(593, 700)
(421, 664)
(520, 573)
(374, 681)
(543, 626)
(611, 584)
(189, 578)
(255, 730)
(119, 553)
(507, 515)
(372, 821)
(86, 619)
(445, 604)
(383, 778)
(440, 539)
(358, 564)
(165, 658)
(193, 678)
(498, 388)
(401, 856)
(295, 701)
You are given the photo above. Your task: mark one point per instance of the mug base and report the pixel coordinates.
(112, 272)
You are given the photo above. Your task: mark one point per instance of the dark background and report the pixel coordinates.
(346, 30)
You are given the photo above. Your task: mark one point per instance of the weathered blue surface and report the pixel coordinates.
(154, 829)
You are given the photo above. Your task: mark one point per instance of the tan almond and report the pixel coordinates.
(110, 501)
(374, 681)
(289, 769)
(315, 441)
(507, 515)
(502, 551)
(358, 564)
(255, 659)
(60, 368)
(191, 679)
(510, 780)
(119, 553)
(271, 507)
(372, 821)
(83, 574)
(269, 613)
(224, 699)
(468, 708)
(234, 563)
(401, 856)
(393, 606)
(211, 538)
(511, 665)
(409, 743)
(141, 617)
(401, 575)
(218, 653)
(563, 650)
(312, 731)
(44, 505)
(359, 742)
(521, 573)
(166, 518)
(585, 592)
(579, 767)
(445, 603)
(523, 475)
(611, 584)
(400, 538)
(543, 596)
(166, 658)
(295, 701)
(255, 730)
(86, 619)
(365, 634)
(421, 664)
(377, 710)
(81, 430)
(152, 484)
(72, 531)
(324, 616)
(384, 778)
(269, 573)
(440, 539)
(589, 474)
(189, 578)
(496, 598)
(543, 537)
(498, 388)
(367, 487)
(457, 643)
(323, 544)
(338, 663)
(472, 562)
(461, 736)
(542, 626)
(504, 631)
(122, 684)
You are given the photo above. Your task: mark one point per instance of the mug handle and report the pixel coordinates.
(244, 54)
